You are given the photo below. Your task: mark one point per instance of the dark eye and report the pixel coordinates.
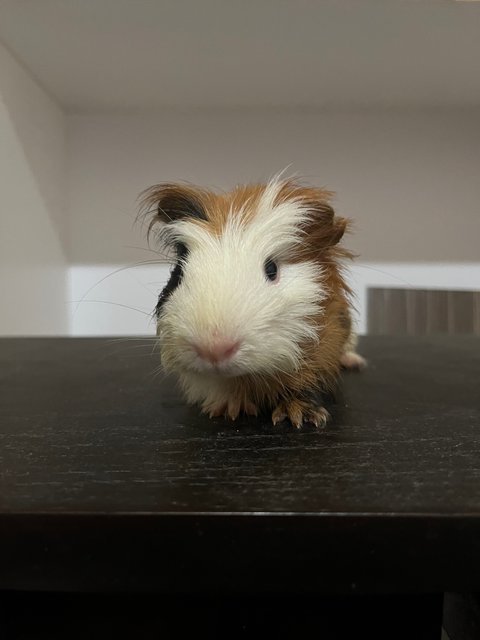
(271, 270)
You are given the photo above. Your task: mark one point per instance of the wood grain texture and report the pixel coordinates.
(108, 481)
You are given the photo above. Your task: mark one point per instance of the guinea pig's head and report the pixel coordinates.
(249, 282)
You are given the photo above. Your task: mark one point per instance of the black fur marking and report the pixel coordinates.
(175, 278)
(178, 205)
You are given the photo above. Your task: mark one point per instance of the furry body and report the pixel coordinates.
(256, 314)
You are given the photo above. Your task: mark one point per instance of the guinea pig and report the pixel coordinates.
(256, 313)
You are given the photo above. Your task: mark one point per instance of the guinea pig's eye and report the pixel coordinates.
(271, 269)
(181, 250)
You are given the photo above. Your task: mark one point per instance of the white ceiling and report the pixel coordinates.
(127, 54)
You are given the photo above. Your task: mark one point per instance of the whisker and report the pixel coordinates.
(155, 344)
(128, 246)
(109, 275)
(128, 347)
(385, 273)
(133, 339)
(116, 304)
(157, 372)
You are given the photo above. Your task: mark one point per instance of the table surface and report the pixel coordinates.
(108, 481)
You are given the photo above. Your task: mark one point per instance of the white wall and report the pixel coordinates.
(33, 274)
(120, 299)
(409, 179)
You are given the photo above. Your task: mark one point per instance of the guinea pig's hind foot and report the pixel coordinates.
(300, 412)
(352, 361)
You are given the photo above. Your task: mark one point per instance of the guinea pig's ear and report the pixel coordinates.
(169, 202)
(324, 227)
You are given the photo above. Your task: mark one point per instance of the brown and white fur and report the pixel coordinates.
(256, 315)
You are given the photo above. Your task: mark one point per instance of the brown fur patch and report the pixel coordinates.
(167, 202)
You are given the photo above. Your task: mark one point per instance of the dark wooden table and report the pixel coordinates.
(110, 485)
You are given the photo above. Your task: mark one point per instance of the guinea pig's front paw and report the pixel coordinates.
(300, 412)
(230, 408)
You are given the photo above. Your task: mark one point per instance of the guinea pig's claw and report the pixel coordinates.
(250, 409)
(300, 412)
(278, 416)
(230, 409)
(319, 417)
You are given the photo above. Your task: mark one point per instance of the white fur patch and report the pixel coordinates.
(224, 291)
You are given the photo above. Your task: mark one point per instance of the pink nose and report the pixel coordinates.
(219, 350)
